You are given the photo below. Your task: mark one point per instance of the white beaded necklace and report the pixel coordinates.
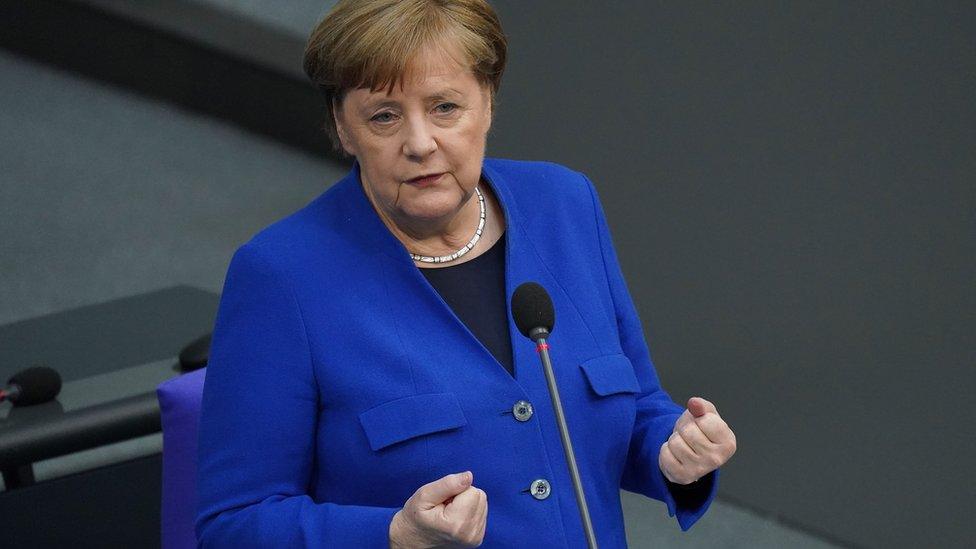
(464, 249)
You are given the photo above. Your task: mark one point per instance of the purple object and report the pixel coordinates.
(179, 404)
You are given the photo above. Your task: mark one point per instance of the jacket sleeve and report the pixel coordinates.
(258, 426)
(656, 412)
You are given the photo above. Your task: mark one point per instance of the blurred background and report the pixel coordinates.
(790, 187)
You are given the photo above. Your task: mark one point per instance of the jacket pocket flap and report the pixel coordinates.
(611, 374)
(410, 417)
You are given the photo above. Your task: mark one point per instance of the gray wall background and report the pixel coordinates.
(791, 191)
(789, 185)
(105, 195)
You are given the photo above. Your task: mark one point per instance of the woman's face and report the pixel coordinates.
(435, 124)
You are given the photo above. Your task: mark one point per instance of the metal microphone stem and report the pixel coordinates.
(10, 393)
(543, 348)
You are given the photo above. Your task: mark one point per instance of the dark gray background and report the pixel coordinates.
(789, 186)
(791, 191)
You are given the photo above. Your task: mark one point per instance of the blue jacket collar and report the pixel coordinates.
(363, 227)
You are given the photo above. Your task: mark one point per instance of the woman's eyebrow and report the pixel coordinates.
(446, 93)
(372, 105)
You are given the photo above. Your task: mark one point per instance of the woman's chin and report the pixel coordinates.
(428, 212)
(431, 208)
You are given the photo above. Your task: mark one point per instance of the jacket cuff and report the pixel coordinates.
(692, 500)
(687, 503)
(365, 526)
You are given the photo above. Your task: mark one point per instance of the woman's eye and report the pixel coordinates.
(445, 108)
(383, 117)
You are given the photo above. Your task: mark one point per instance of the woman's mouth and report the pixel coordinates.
(425, 180)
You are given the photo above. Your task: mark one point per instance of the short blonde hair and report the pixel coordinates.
(370, 43)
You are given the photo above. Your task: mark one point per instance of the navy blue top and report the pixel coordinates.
(475, 291)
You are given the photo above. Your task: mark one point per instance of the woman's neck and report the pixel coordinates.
(444, 237)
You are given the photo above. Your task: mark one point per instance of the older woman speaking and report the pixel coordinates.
(367, 386)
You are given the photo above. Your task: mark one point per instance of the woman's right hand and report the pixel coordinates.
(448, 512)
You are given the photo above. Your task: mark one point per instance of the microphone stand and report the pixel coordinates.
(539, 336)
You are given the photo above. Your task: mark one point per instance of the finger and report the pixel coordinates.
(482, 505)
(435, 493)
(483, 517)
(684, 419)
(468, 499)
(681, 451)
(690, 466)
(668, 463)
(482, 514)
(668, 453)
(471, 532)
(465, 505)
(471, 524)
(698, 406)
(714, 428)
(695, 438)
(692, 463)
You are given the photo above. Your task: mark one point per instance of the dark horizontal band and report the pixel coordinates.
(238, 73)
(26, 442)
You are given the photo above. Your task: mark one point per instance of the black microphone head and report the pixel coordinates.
(532, 308)
(38, 384)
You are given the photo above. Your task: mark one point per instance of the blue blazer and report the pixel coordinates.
(339, 381)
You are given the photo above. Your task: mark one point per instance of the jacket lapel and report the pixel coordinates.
(426, 325)
(523, 263)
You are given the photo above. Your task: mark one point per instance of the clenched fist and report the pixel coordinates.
(701, 442)
(448, 512)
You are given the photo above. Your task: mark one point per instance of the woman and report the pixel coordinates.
(366, 386)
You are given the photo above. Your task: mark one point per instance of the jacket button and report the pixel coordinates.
(540, 489)
(522, 410)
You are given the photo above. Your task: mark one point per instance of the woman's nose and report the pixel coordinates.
(419, 141)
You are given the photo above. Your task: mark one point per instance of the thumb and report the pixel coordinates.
(699, 406)
(446, 487)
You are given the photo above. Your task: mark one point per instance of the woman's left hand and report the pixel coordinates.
(701, 442)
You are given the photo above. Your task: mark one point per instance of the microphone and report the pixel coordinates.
(532, 310)
(535, 317)
(35, 385)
